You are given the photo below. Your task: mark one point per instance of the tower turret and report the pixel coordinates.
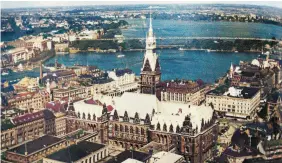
(231, 71)
(150, 71)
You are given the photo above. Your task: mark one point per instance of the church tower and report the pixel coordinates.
(151, 70)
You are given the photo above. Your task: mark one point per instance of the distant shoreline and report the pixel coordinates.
(134, 50)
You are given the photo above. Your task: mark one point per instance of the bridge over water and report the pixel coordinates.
(196, 38)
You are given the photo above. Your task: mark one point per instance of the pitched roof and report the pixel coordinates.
(121, 72)
(76, 151)
(140, 156)
(36, 145)
(29, 117)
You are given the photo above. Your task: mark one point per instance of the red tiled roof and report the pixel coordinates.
(29, 117)
(98, 102)
(56, 106)
(94, 102)
(90, 101)
(110, 108)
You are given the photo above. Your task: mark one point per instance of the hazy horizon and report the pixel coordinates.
(28, 4)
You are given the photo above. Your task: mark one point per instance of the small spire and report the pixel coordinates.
(151, 27)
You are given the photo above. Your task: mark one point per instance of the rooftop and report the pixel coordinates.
(261, 160)
(121, 72)
(36, 145)
(101, 80)
(75, 152)
(163, 156)
(140, 156)
(183, 85)
(241, 153)
(237, 92)
(29, 117)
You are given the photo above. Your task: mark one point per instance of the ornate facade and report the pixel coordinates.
(129, 132)
(193, 143)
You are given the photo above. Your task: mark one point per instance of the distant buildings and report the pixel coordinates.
(254, 142)
(30, 101)
(20, 54)
(260, 73)
(114, 83)
(72, 92)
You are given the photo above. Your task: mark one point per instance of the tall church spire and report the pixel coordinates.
(151, 27)
(150, 71)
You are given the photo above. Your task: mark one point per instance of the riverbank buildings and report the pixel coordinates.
(136, 119)
(260, 73)
(133, 120)
(240, 102)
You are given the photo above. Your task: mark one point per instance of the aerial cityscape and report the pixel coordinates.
(141, 83)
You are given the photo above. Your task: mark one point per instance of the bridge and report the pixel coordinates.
(169, 46)
(196, 38)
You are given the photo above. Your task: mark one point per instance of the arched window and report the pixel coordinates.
(137, 130)
(83, 116)
(121, 128)
(126, 128)
(164, 127)
(78, 115)
(131, 129)
(142, 131)
(94, 117)
(116, 127)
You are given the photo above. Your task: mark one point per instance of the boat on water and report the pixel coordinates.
(120, 56)
(208, 50)
(236, 51)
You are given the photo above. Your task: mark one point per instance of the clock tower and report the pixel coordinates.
(151, 70)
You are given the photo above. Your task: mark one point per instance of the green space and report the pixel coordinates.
(230, 45)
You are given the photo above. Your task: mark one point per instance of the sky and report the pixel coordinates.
(22, 4)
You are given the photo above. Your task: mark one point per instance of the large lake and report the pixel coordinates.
(174, 63)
